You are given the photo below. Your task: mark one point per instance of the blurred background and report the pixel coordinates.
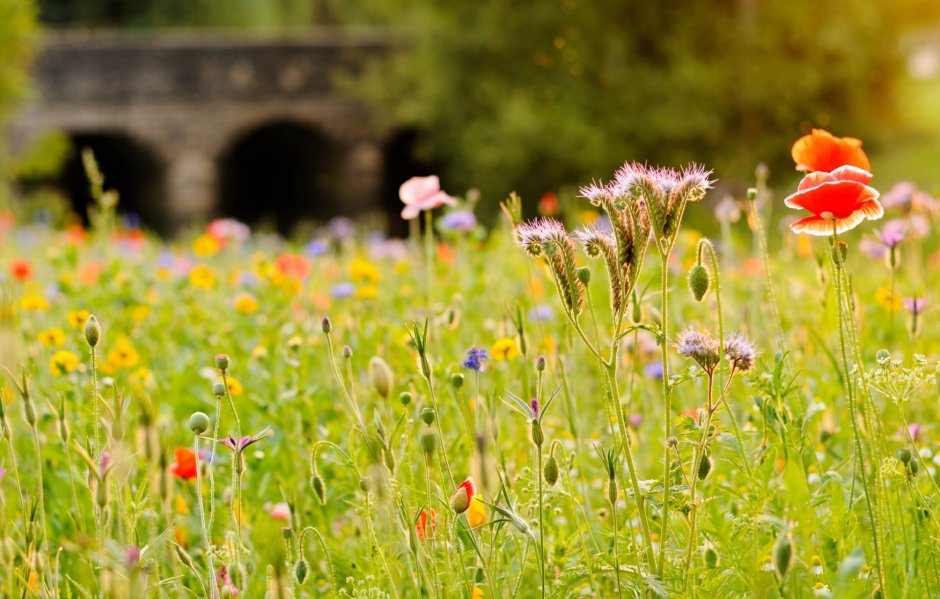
(285, 112)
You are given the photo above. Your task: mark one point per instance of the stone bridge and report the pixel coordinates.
(189, 125)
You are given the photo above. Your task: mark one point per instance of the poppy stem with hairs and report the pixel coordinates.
(429, 254)
(202, 517)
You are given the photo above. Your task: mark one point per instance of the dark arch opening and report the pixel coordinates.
(128, 166)
(281, 173)
(401, 160)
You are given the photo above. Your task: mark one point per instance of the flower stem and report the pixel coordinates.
(667, 404)
(202, 517)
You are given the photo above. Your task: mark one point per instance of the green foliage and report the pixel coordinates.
(17, 37)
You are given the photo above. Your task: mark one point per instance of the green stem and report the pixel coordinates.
(768, 279)
(667, 403)
(538, 450)
(202, 517)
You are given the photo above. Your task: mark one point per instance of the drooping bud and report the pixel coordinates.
(699, 282)
(783, 554)
(382, 378)
(92, 331)
(427, 415)
(300, 571)
(319, 488)
(199, 422)
(460, 500)
(551, 470)
(221, 362)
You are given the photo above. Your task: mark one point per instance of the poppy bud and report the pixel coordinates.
(221, 362)
(751, 194)
(711, 558)
(538, 437)
(382, 378)
(428, 440)
(904, 455)
(584, 275)
(612, 490)
(551, 470)
(300, 571)
(783, 554)
(92, 331)
(405, 398)
(460, 500)
(698, 282)
(218, 389)
(326, 325)
(347, 352)
(540, 363)
(839, 252)
(913, 467)
(457, 380)
(364, 484)
(199, 422)
(287, 532)
(704, 466)
(319, 488)
(427, 415)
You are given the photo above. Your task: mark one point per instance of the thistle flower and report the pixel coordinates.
(699, 346)
(740, 352)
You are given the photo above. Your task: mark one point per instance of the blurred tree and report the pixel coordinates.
(17, 36)
(534, 94)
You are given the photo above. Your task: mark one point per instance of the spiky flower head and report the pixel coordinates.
(740, 352)
(700, 346)
(548, 237)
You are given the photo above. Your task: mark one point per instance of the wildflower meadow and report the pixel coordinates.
(591, 398)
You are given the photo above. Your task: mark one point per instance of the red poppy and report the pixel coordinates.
(822, 151)
(185, 466)
(293, 265)
(548, 204)
(462, 497)
(421, 525)
(21, 269)
(842, 197)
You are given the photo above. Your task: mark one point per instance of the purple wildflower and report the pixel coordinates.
(132, 554)
(534, 404)
(316, 247)
(699, 346)
(653, 370)
(636, 420)
(239, 445)
(104, 464)
(460, 221)
(225, 583)
(342, 290)
(914, 430)
(475, 357)
(543, 313)
(915, 305)
(740, 352)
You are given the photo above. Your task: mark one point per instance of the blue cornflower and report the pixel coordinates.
(475, 357)
(459, 221)
(342, 290)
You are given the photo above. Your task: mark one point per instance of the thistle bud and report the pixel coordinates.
(218, 389)
(783, 555)
(300, 571)
(904, 455)
(456, 380)
(584, 275)
(319, 488)
(382, 378)
(221, 362)
(551, 470)
(704, 466)
(427, 415)
(199, 422)
(538, 437)
(347, 352)
(711, 558)
(540, 363)
(405, 398)
(326, 325)
(698, 282)
(92, 331)
(428, 441)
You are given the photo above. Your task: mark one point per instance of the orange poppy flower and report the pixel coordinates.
(185, 466)
(21, 269)
(842, 196)
(421, 525)
(293, 266)
(822, 151)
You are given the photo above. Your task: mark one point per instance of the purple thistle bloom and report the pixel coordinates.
(914, 430)
(915, 305)
(740, 352)
(475, 357)
(460, 221)
(700, 346)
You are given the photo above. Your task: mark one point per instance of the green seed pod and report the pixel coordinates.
(221, 362)
(300, 571)
(904, 455)
(287, 532)
(584, 275)
(551, 470)
(783, 554)
(840, 252)
(319, 488)
(913, 467)
(427, 415)
(704, 466)
(92, 331)
(699, 282)
(751, 194)
(711, 558)
(199, 422)
(382, 378)
(456, 380)
(364, 484)
(218, 389)
(427, 438)
(405, 398)
(538, 437)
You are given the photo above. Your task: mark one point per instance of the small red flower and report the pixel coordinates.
(842, 196)
(822, 151)
(185, 466)
(293, 266)
(462, 497)
(21, 269)
(548, 204)
(423, 528)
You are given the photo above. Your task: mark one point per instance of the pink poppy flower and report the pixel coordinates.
(422, 193)
(280, 511)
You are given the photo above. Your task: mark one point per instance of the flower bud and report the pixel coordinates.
(364, 484)
(92, 331)
(221, 362)
(913, 466)
(637, 314)
(300, 571)
(698, 282)
(427, 438)
(427, 415)
(460, 500)
(840, 252)
(326, 325)
(347, 352)
(612, 490)
(751, 194)
(199, 422)
(551, 470)
(711, 558)
(904, 455)
(287, 532)
(218, 389)
(704, 466)
(783, 554)
(584, 275)
(456, 380)
(540, 363)
(538, 437)
(319, 488)
(382, 378)
(405, 398)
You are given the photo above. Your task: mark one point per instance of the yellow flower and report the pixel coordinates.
(367, 292)
(402, 267)
(180, 505)
(202, 277)
(884, 298)
(477, 593)
(205, 246)
(77, 318)
(504, 349)
(234, 387)
(34, 303)
(123, 355)
(53, 337)
(140, 313)
(476, 513)
(142, 376)
(259, 352)
(62, 362)
(362, 270)
(246, 303)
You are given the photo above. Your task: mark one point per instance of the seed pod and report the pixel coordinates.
(218, 389)
(199, 422)
(428, 440)
(904, 455)
(537, 436)
(584, 275)
(300, 571)
(319, 488)
(405, 398)
(364, 484)
(221, 362)
(427, 415)
(783, 554)
(382, 378)
(456, 380)
(913, 467)
(551, 470)
(699, 282)
(92, 331)
(704, 466)
(287, 532)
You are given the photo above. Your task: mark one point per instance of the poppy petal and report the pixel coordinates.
(851, 173)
